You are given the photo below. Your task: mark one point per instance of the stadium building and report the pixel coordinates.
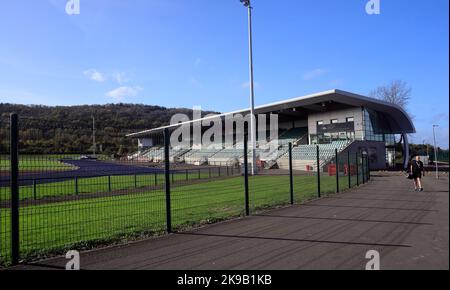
(331, 119)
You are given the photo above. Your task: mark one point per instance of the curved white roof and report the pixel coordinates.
(398, 119)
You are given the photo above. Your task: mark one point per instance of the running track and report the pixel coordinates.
(86, 168)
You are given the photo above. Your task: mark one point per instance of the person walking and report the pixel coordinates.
(417, 171)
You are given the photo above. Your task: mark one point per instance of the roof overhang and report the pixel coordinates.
(398, 119)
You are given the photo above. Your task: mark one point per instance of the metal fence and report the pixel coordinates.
(50, 204)
(5, 214)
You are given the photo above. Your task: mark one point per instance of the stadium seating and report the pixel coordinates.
(305, 155)
(156, 154)
(226, 157)
(199, 156)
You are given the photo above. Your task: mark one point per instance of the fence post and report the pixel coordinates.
(357, 169)
(156, 178)
(247, 207)
(167, 178)
(318, 170)
(337, 169)
(199, 174)
(365, 169)
(14, 184)
(109, 183)
(34, 189)
(76, 185)
(187, 178)
(209, 170)
(349, 172)
(135, 181)
(363, 176)
(291, 177)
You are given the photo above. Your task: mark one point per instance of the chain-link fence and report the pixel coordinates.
(80, 201)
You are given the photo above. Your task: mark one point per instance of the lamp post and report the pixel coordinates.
(435, 151)
(247, 4)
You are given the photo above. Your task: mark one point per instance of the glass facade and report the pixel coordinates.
(334, 131)
(374, 127)
(370, 135)
(388, 139)
(327, 138)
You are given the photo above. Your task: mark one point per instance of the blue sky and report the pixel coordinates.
(181, 53)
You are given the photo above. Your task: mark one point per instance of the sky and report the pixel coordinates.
(185, 53)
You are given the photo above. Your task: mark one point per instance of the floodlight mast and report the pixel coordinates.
(247, 4)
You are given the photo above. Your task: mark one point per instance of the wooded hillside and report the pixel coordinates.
(68, 129)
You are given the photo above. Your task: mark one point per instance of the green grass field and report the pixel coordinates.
(99, 184)
(51, 228)
(37, 163)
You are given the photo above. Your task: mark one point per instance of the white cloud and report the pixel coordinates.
(314, 74)
(121, 93)
(95, 75)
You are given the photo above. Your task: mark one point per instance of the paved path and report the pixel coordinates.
(409, 229)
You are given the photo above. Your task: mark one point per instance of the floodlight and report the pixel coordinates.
(245, 2)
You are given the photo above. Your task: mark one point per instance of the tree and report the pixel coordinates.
(397, 92)
(64, 130)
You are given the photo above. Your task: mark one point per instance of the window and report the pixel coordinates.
(319, 123)
(369, 133)
(334, 121)
(350, 119)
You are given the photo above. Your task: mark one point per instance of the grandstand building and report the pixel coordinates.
(331, 119)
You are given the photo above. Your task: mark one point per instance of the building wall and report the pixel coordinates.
(375, 149)
(341, 116)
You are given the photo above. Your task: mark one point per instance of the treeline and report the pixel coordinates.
(428, 150)
(68, 129)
